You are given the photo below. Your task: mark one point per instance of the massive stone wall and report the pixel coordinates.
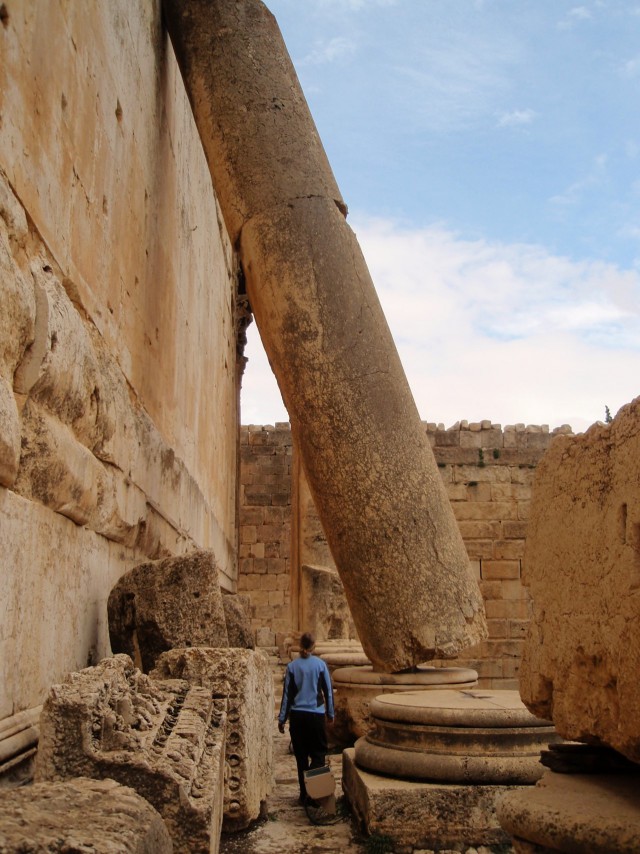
(118, 397)
(488, 474)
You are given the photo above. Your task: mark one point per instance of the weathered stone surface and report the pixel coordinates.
(167, 604)
(57, 576)
(80, 815)
(248, 107)
(236, 616)
(59, 471)
(582, 654)
(244, 678)
(359, 435)
(471, 736)
(164, 739)
(423, 815)
(323, 605)
(598, 814)
(370, 467)
(356, 687)
(17, 326)
(9, 435)
(117, 337)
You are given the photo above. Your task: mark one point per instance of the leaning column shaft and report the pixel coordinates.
(370, 468)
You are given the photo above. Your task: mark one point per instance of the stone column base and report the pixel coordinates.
(423, 815)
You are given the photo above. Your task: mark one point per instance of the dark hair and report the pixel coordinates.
(307, 641)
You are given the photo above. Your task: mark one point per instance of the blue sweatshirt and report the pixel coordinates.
(307, 687)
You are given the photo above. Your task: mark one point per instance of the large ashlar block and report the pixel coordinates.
(590, 813)
(9, 435)
(369, 464)
(582, 655)
(164, 739)
(57, 470)
(17, 326)
(242, 676)
(429, 816)
(167, 604)
(80, 815)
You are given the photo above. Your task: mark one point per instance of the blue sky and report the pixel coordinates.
(489, 152)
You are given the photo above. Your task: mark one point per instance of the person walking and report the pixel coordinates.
(306, 698)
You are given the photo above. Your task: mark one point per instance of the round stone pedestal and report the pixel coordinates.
(356, 687)
(341, 653)
(337, 653)
(340, 660)
(471, 736)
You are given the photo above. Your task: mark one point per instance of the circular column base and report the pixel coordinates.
(356, 687)
(469, 736)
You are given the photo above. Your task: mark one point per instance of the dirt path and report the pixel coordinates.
(287, 829)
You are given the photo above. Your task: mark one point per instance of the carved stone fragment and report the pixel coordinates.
(166, 604)
(370, 468)
(582, 565)
(164, 739)
(80, 815)
(244, 678)
(237, 620)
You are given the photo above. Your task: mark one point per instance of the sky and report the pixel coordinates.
(489, 153)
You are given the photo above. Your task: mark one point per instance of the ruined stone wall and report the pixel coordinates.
(488, 473)
(118, 399)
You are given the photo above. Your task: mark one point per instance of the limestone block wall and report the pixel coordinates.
(265, 519)
(118, 392)
(488, 474)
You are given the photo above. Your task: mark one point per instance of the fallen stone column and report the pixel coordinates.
(370, 468)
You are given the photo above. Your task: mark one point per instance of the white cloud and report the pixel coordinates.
(488, 330)
(330, 51)
(455, 85)
(356, 5)
(574, 16)
(580, 13)
(574, 192)
(516, 117)
(631, 68)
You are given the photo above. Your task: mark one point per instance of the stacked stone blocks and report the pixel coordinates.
(265, 525)
(488, 473)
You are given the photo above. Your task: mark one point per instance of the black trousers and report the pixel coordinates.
(309, 740)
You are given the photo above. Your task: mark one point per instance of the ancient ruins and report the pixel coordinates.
(473, 588)
(339, 372)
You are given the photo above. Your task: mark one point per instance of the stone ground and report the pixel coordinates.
(288, 830)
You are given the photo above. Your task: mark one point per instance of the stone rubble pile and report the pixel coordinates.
(194, 739)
